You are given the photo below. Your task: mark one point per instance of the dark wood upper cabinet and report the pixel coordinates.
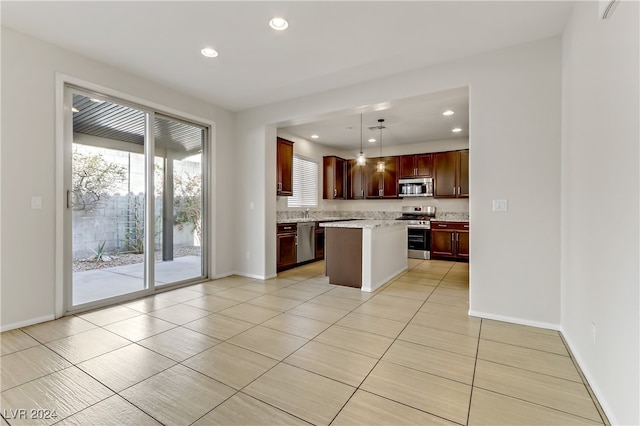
(463, 174)
(415, 166)
(385, 184)
(356, 182)
(333, 178)
(451, 174)
(284, 167)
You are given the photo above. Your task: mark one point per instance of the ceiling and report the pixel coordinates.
(406, 121)
(328, 45)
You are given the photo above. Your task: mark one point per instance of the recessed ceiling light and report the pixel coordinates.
(372, 140)
(74, 109)
(209, 52)
(278, 23)
(456, 130)
(448, 112)
(314, 136)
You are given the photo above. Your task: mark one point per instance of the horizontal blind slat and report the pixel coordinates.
(305, 183)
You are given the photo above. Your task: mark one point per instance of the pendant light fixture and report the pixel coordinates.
(380, 165)
(361, 160)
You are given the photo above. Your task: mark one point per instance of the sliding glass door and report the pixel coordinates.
(135, 200)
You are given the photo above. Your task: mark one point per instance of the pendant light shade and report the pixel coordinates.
(380, 165)
(361, 160)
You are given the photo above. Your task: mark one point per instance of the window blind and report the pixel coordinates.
(305, 183)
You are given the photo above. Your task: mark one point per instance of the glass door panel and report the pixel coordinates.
(107, 200)
(179, 202)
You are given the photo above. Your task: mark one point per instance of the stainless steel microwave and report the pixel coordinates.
(422, 187)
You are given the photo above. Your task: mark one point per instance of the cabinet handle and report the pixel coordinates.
(335, 192)
(452, 243)
(466, 226)
(458, 190)
(442, 226)
(454, 190)
(296, 240)
(380, 192)
(288, 227)
(279, 186)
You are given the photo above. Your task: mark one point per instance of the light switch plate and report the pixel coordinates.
(36, 202)
(500, 205)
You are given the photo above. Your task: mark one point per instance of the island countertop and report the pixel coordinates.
(364, 224)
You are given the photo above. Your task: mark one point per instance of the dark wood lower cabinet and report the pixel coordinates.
(286, 253)
(449, 240)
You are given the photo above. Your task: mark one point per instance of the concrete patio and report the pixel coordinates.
(97, 284)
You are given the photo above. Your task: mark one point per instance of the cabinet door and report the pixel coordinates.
(339, 179)
(390, 178)
(408, 166)
(333, 181)
(284, 167)
(444, 175)
(319, 243)
(463, 174)
(442, 243)
(462, 242)
(356, 182)
(423, 165)
(286, 251)
(372, 178)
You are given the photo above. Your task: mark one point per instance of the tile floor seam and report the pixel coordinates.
(532, 403)
(529, 370)
(378, 362)
(473, 376)
(524, 347)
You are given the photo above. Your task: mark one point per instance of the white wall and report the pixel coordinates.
(28, 168)
(600, 197)
(514, 154)
(316, 151)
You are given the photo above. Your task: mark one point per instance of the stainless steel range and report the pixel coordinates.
(419, 230)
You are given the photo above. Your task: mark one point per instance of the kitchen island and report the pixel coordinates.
(365, 253)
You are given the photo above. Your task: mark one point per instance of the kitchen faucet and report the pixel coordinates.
(306, 212)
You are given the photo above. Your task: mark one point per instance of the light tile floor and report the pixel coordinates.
(293, 350)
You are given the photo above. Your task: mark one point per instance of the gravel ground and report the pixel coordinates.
(121, 259)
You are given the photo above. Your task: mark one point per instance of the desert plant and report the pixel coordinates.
(188, 202)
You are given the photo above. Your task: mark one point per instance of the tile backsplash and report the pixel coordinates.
(376, 215)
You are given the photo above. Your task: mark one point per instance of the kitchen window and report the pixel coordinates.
(305, 183)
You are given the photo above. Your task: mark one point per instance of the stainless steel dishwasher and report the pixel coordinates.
(306, 245)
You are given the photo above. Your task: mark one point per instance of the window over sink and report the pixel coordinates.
(305, 183)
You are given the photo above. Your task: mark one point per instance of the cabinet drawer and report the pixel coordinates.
(287, 228)
(462, 226)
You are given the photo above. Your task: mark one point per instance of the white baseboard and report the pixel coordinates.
(514, 320)
(25, 323)
(254, 276)
(385, 280)
(242, 274)
(600, 396)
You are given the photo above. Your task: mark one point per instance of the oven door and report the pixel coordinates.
(419, 243)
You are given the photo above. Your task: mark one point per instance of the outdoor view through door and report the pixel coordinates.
(109, 198)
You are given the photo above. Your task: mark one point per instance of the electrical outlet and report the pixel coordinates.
(36, 202)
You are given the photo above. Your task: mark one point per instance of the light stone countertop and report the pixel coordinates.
(364, 224)
(312, 219)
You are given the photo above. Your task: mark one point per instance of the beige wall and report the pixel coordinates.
(515, 155)
(600, 203)
(31, 261)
